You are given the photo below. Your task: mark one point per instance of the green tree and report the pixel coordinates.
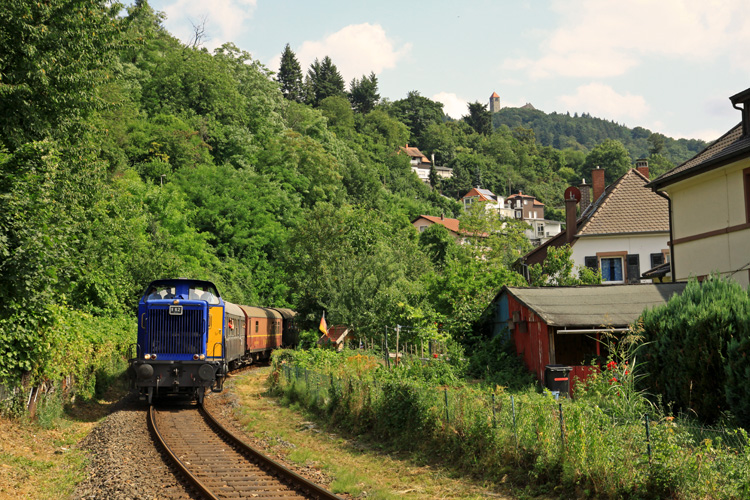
(417, 113)
(339, 113)
(290, 76)
(363, 93)
(557, 270)
(323, 80)
(479, 118)
(54, 57)
(610, 155)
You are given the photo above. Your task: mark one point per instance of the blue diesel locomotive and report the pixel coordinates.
(189, 338)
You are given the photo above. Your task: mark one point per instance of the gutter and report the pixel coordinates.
(671, 235)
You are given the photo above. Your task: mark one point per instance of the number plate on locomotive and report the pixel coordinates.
(175, 310)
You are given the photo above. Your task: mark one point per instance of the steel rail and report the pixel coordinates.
(276, 468)
(202, 488)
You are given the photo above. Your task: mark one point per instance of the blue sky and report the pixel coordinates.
(667, 65)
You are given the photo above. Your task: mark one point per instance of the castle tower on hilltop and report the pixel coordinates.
(494, 103)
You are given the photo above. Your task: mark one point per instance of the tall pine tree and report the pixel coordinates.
(363, 94)
(290, 76)
(323, 80)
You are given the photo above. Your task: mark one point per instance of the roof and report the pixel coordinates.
(494, 94)
(726, 149)
(415, 153)
(451, 224)
(485, 194)
(627, 206)
(594, 306)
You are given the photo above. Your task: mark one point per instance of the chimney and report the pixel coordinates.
(585, 190)
(597, 179)
(744, 99)
(641, 165)
(570, 219)
(442, 216)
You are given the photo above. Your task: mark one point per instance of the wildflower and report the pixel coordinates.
(613, 379)
(435, 355)
(611, 365)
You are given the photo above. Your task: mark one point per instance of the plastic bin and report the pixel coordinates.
(557, 378)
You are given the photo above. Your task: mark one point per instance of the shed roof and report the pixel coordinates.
(594, 306)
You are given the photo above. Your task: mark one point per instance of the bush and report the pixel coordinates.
(686, 349)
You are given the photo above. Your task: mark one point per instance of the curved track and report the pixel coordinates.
(219, 464)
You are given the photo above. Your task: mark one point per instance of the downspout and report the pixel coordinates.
(671, 237)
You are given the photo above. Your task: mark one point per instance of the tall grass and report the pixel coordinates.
(593, 446)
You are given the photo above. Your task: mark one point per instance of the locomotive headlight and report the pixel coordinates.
(203, 356)
(146, 356)
(153, 356)
(196, 357)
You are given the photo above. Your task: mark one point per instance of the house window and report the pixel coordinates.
(422, 228)
(519, 214)
(540, 230)
(611, 269)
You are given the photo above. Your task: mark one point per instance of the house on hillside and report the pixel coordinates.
(709, 205)
(623, 230)
(563, 325)
(530, 210)
(424, 221)
(421, 165)
(335, 336)
(491, 200)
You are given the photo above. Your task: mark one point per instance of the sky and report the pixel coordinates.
(665, 65)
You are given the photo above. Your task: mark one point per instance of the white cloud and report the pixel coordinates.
(453, 106)
(224, 19)
(602, 101)
(605, 38)
(356, 50)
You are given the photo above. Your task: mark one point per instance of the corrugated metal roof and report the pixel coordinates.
(594, 305)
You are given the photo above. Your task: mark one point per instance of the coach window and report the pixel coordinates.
(256, 327)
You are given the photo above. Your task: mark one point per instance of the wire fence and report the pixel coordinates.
(565, 433)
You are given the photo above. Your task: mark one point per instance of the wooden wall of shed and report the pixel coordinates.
(533, 345)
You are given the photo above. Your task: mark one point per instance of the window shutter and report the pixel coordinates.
(657, 259)
(634, 268)
(591, 263)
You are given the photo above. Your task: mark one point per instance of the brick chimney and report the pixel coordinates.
(570, 219)
(585, 190)
(597, 180)
(641, 165)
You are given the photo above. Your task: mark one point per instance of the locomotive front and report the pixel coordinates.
(180, 347)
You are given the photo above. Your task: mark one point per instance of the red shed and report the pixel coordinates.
(561, 325)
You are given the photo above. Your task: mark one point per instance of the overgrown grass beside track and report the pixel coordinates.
(607, 443)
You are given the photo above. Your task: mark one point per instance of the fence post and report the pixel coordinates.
(494, 416)
(447, 416)
(648, 439)
(562, 426)
(515, 431)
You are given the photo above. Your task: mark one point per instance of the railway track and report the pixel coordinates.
(219, 464)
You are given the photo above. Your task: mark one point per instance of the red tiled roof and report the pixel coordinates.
(450, 224)
(494, 94)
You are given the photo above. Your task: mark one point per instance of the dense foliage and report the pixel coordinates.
(696, 348)
(127, 156)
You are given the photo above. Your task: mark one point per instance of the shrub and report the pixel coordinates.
(686, 347)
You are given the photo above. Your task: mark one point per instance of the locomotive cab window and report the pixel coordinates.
(159, 293)
(207, 293)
